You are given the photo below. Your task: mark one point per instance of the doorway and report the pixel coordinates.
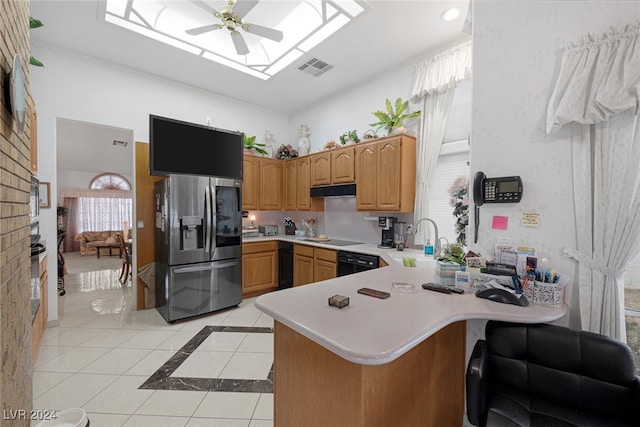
(86, 151)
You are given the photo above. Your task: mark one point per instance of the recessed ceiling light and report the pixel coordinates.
(450, 14)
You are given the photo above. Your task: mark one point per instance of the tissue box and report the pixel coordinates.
(446, 272)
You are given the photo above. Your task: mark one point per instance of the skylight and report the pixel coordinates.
(303, 24)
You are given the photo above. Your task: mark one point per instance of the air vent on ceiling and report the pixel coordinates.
(315, 67)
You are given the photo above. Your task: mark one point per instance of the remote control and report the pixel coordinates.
(441, 288)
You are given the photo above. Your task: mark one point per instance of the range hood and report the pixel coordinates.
(334, 190)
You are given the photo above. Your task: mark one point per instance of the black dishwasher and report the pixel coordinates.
(351, 262)
(285, 265)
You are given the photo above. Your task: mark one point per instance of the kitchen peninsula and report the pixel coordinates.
(397, 361)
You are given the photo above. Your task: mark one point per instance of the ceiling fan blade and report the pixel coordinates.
(243, 7)
(204, 6)
(259, 30)
(239, 43)
(201, 30)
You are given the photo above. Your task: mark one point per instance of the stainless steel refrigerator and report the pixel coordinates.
(198, 245)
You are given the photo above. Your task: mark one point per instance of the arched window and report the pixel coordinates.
(109, 181)
(107, 206)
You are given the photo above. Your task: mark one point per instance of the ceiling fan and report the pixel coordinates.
(232, 21)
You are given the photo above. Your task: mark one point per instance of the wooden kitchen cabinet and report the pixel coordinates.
(271, 184)
(321, 168)
(250, 183)
(290, 184)
(385, 174)
(343, 165)
(259, 268)
(39, 321)
(325, 263)
(304, 201)
(302, 264)
(262, 183)
(312, 264)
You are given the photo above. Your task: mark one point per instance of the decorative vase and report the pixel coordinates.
(303, 144)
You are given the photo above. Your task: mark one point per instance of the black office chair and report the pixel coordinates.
(546, 375)
(61, 264)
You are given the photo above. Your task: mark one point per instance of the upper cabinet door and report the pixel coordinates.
(386, 174)
(366, 164)
(343, 166)
(321, 169)
(290, 184)
(271, 177)
(250, 183)
(388, 178)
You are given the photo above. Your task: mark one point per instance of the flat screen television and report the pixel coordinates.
(191, 149)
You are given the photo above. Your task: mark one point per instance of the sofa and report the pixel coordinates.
(89, 240)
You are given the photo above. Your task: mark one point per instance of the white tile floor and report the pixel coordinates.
(102, 351)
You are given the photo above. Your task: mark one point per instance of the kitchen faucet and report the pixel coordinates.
(436, 243)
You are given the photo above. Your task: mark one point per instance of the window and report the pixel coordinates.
(104, 213)
(452, 162)
(109, 181)
(107, 206)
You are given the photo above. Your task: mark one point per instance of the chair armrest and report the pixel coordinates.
(477, 383)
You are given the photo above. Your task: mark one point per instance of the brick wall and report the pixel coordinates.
(15, 178)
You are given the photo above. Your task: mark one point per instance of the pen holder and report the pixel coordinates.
(548, 294)
(528, 292)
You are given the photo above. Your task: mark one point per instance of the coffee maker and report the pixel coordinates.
(387, 224)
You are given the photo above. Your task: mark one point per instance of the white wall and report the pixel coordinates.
(516, 58)
(353, 109)
(78, 87)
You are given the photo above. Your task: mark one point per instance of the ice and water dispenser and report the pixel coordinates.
(191, 233)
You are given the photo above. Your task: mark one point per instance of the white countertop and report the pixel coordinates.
(389, 255)
(372, 331)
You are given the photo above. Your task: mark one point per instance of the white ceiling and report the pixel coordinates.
(388, 33)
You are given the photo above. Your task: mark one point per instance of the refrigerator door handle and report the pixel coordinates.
(193, 269)
(225, 264)
(212, 218)
(213, 266)
(207, 219)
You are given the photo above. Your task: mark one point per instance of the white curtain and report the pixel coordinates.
(103, 214)
(598, 92)
(434, 88)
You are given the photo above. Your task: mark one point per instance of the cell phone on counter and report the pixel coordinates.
(374, 293)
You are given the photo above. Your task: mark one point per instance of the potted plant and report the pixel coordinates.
(349, 137)
(390, 119)
(454, 253)
(251, 145)
(286, 152)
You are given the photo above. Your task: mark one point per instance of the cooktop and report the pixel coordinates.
(336, 242)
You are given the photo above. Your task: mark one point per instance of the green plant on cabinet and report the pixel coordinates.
(390, 119)
(249, 143)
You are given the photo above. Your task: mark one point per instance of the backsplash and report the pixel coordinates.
(339, 220)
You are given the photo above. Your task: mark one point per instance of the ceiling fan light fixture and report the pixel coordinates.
(299, 28)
